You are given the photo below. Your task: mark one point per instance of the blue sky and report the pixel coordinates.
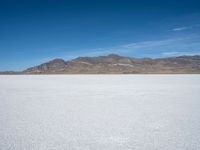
(35, 31)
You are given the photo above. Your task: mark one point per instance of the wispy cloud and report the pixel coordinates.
(186, 27)
(189, 45)
(169, 54)
(181, 28)
(151, 44)
(127, 49)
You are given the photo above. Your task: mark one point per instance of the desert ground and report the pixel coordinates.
(100, 112)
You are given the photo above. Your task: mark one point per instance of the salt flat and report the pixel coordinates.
(100, 112)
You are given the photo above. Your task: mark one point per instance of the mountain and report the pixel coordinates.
(9, 72)
(115, 64)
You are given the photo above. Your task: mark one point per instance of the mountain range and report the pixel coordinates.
(115, 64)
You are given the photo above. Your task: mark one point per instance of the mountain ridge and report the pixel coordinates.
(116, 64)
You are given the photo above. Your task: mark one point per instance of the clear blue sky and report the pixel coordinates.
(35, 31)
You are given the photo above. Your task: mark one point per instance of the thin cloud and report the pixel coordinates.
(186, 27)
(156, 48)
(150, 44)
(180, 53)
(181, 28)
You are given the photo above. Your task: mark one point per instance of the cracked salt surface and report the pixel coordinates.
(100, 112)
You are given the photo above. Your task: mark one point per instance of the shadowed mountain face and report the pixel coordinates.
(115, 64)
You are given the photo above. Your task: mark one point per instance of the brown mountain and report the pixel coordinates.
(115, 64)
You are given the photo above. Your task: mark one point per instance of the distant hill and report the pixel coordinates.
(9, 72)
(115, 64)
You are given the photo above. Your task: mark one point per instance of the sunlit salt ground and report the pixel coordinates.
(100, 112)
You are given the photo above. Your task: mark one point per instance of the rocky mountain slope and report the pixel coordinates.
(115, 64)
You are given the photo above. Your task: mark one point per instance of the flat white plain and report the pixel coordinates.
(100, 112)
